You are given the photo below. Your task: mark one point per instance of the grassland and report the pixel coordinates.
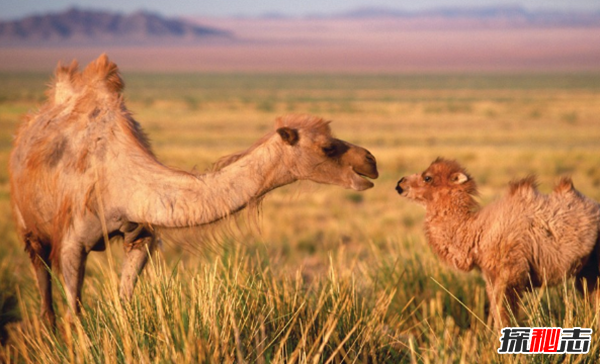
(333, 275)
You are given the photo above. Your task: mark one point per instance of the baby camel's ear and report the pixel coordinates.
(288, 135)
(459, 178)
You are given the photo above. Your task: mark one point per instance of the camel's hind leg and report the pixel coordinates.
(138, 245)
(40, 258)
(587, 278)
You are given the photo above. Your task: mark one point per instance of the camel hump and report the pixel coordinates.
(65, 82)
(525, 185)
(565, 184)
(103, 72)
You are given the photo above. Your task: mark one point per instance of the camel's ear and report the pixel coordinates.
(288, 135)
(459, 178)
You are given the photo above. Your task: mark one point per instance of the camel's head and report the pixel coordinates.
(312, 153)
(443, 180)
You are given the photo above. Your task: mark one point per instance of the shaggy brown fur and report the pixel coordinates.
(525, 239)
(82, 172)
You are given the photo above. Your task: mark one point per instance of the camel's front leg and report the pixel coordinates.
(497, 293)
(138, 245)
(73, 258)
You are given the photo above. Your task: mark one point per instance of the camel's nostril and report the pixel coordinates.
(369, 157)
(370, 166)
(398, 187)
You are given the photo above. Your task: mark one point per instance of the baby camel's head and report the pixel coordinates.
(444, 180)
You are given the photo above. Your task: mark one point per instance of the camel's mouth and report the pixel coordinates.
(372, 174)
(367, 168)
(360, 180)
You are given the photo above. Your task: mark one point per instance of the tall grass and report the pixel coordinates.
(231, 310)
(333, 276)
(240, 308)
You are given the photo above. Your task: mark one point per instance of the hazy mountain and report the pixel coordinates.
(506, 15)
(87, 27)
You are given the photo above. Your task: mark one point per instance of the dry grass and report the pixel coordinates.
(334, 275)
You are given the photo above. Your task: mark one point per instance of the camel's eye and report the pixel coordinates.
(330, 150)
(335, 149)
(427, 179)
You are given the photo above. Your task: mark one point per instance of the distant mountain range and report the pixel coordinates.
(501, 15)
(75, 27)
(510, 15)
(86, 27)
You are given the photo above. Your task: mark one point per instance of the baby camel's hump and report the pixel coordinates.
(564, 231)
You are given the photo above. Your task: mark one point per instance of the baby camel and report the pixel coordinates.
(524, 240)
(82, 172)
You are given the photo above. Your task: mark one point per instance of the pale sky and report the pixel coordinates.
(11, 9)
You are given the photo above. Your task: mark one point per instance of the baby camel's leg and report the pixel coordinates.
(496, 308)
(40, 258)
(512, 298)
(588, 276)
(138, 245)
(497, 293)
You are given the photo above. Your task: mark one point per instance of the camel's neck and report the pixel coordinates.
(452, 231)
(171, 198)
